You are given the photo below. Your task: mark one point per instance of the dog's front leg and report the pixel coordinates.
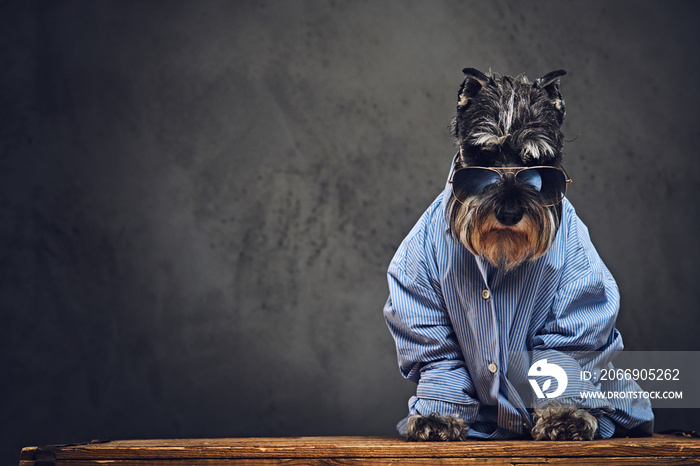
(563, 422)
(436, 426)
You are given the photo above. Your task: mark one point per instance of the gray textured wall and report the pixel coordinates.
(199, 199)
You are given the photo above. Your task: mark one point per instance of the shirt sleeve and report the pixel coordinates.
(580, 334)
(581, 321)
(427, 349)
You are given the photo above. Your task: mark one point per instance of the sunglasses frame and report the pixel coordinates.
(514, 170)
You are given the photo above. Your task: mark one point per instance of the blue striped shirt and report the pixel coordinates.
(456, 320)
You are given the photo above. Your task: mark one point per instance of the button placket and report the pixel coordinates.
(492, 366)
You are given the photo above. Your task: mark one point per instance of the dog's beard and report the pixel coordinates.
(506, 247)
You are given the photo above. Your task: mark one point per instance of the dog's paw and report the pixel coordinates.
(563, 422)
(435, 426)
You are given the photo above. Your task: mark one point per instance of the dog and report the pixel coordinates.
(501, 263)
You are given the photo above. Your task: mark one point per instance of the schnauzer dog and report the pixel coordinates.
(500, 262)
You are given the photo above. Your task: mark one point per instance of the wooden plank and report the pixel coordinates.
(660, 449)
(378, 447)
(625, 461)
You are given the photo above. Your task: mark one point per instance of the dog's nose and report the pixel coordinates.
(508, 215)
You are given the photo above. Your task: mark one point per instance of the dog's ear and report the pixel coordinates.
(550, 84)
(473, 82)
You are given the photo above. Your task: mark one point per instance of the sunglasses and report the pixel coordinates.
(470, 183)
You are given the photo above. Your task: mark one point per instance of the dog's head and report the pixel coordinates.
(507, 182)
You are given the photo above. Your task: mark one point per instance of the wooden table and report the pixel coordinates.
(660, 449)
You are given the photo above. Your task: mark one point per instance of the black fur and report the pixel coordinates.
(558, 421)
(436, 427)
(483, 106)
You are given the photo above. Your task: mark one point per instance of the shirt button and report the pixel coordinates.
(493, 367)
(485, 294)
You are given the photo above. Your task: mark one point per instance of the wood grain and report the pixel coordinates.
(660, 449)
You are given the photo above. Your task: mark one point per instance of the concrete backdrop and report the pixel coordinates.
(199, 199)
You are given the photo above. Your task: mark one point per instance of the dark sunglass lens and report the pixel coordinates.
(470, 183)
(530, 177)
(553, 184)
